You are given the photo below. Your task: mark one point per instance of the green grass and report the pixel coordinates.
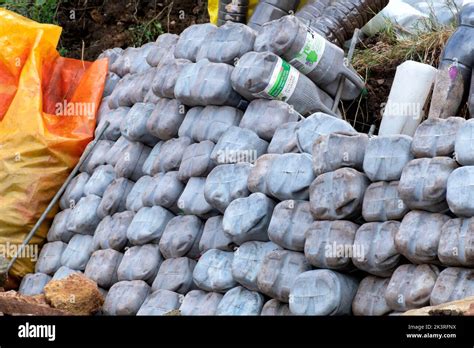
(43, 11)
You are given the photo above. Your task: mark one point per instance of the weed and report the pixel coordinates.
(42, 11)
(145, 32)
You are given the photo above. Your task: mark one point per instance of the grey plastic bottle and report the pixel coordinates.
(370, 297)
(290, 176)
(436, 137)
(176, 275)
(171, 153)
(238, 145)
(206, 83)
(125, 297)
(316, 125)
(49, 259)
(455, 69)
(58, 230)
(196, 160)
(290, 221)
(322, 292)
(284, 139)
(101, 178)
(74, 191)
(240, 301)
(148, 225)
(275, 308)
(227, 44)
(459, 191)
(410, 287)
(199, 302)
(115, 197)
(338, 195)
(64, 272)
(165, 191)
(452, 284)
(232, 10)
(386, 156)
(374, 248)
(160, 302)
(329, 244)
(130, 163)
(84, 218)
(336, 150)
(213, 121)
(382, 202)
(248, 260)
(278, 273)
(310, 53)
(115, 118)
(257, 209)
(264, 75)
(464, 144)
(257, 178)
(424, 181)
(269, 10)
(454, 247)
(471, 96)
(97, 157)
(133, 126)
(112, 231)
(226, 183)
(181, 237)
(102, 267)
(166, 118)
(140, 263)
(213, 236)
(78, 252)
(134, 200)
(163, 50)
(165, 77)
(419, 235)
(191, 39)
(193, 202)
(265, 116)
(33, 284)
(213, 272)
(116, 151)
(110, 83)
(187, 127)
(337, 20)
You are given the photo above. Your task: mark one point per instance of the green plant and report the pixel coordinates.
(43, 11)
(145, 32)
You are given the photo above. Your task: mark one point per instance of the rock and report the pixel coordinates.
(75, 294)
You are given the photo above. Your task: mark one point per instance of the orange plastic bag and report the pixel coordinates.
(48, 106)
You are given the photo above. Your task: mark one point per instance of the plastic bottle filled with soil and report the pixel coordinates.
(269, 10)
(232, 10)
(310, 53)
(455, 69)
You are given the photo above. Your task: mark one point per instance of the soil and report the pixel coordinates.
(368, 109)
(92, 26)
